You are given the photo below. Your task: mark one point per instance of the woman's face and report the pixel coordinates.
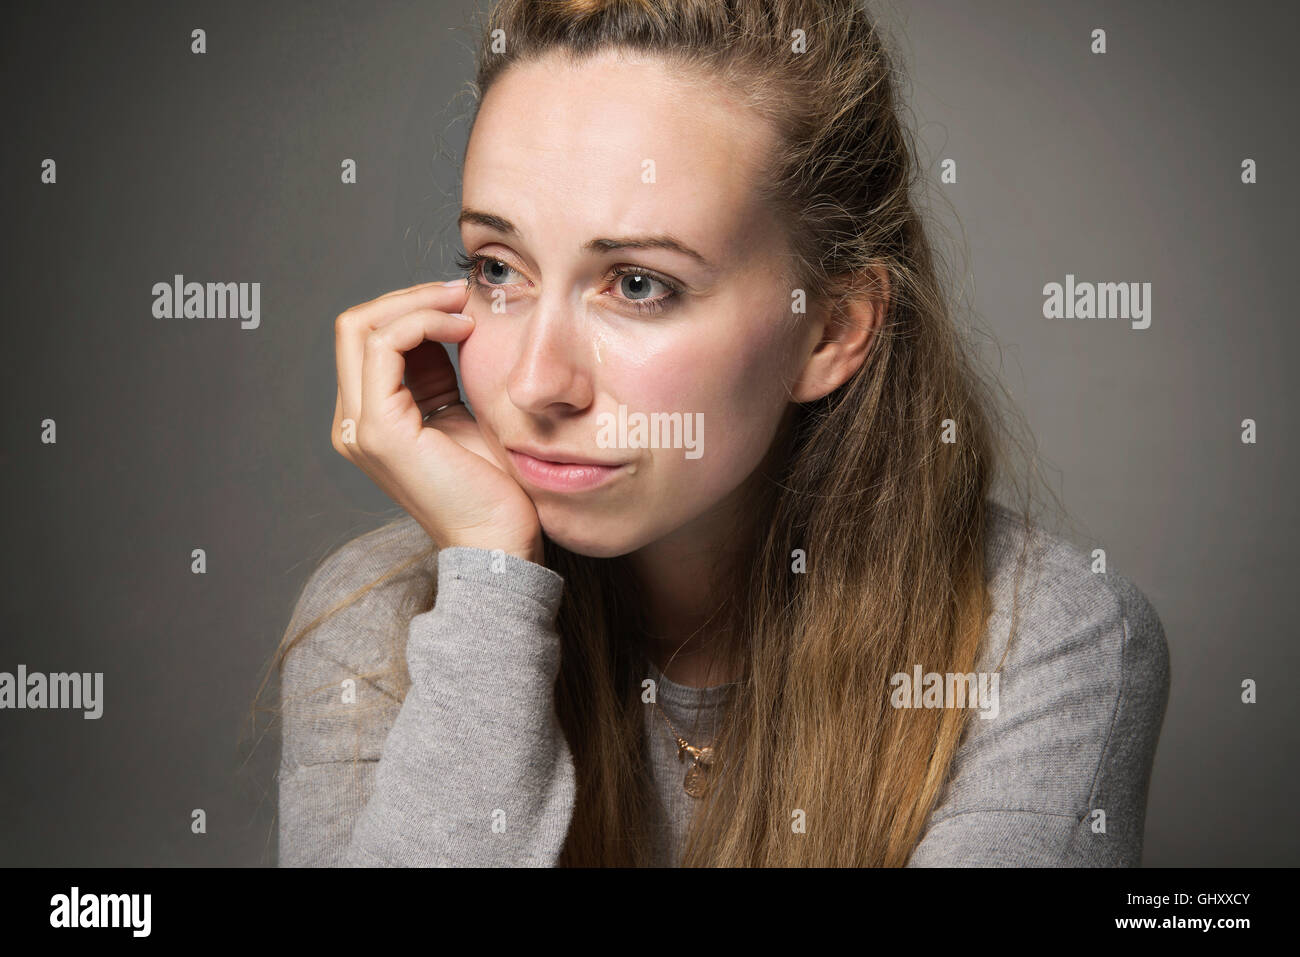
(562, 161)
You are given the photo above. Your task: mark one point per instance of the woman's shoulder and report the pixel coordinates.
(351, 613)
(371, 573)
(1082, 684)
(1073, 611)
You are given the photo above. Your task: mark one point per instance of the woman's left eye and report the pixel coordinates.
(631, 281)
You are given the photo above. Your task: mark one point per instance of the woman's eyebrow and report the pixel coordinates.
(502, 225)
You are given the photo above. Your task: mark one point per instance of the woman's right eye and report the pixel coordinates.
(493, 271)
(491, 266)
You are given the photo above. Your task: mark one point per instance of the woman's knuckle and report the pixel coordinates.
(377, 340)
(369, 442)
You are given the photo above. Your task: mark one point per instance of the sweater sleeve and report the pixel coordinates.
(1059, 777)
(475, 769)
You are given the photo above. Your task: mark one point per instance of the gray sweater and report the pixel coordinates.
(472, 768)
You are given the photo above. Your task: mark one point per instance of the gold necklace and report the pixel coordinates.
(697, 778)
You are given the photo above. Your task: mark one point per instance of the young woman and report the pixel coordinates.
(753, 632)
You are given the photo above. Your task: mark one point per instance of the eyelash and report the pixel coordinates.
(469, 265)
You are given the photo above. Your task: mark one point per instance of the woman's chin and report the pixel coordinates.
(585, 541)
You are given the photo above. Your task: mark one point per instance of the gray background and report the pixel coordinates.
(175, 434)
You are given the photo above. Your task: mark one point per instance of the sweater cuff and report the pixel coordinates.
(478, 575)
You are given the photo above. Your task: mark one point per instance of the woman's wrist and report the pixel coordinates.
(532, 551)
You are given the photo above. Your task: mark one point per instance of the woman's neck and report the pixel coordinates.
(701, 668)
(677, 578)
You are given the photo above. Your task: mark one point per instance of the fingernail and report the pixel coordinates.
(460, 315)
(455, 282)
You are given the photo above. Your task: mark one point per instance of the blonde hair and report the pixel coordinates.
(892, 519)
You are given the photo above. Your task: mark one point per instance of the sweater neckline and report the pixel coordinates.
(684, 695)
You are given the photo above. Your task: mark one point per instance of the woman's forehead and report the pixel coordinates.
(561, 152)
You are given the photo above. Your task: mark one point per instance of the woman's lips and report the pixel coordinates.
(558, 477)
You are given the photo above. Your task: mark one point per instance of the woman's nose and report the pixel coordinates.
(552, 367)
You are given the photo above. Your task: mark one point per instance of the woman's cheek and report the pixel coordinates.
(651, 376)
(476, 368)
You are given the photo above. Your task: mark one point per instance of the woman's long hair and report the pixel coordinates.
(881, 485)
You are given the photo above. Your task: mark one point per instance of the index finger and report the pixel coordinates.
(357, 323)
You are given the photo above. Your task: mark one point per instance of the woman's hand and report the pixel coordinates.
(390, 375)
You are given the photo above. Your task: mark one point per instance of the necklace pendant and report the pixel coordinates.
(697, 780)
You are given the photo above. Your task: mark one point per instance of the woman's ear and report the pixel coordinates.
(838, 340)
